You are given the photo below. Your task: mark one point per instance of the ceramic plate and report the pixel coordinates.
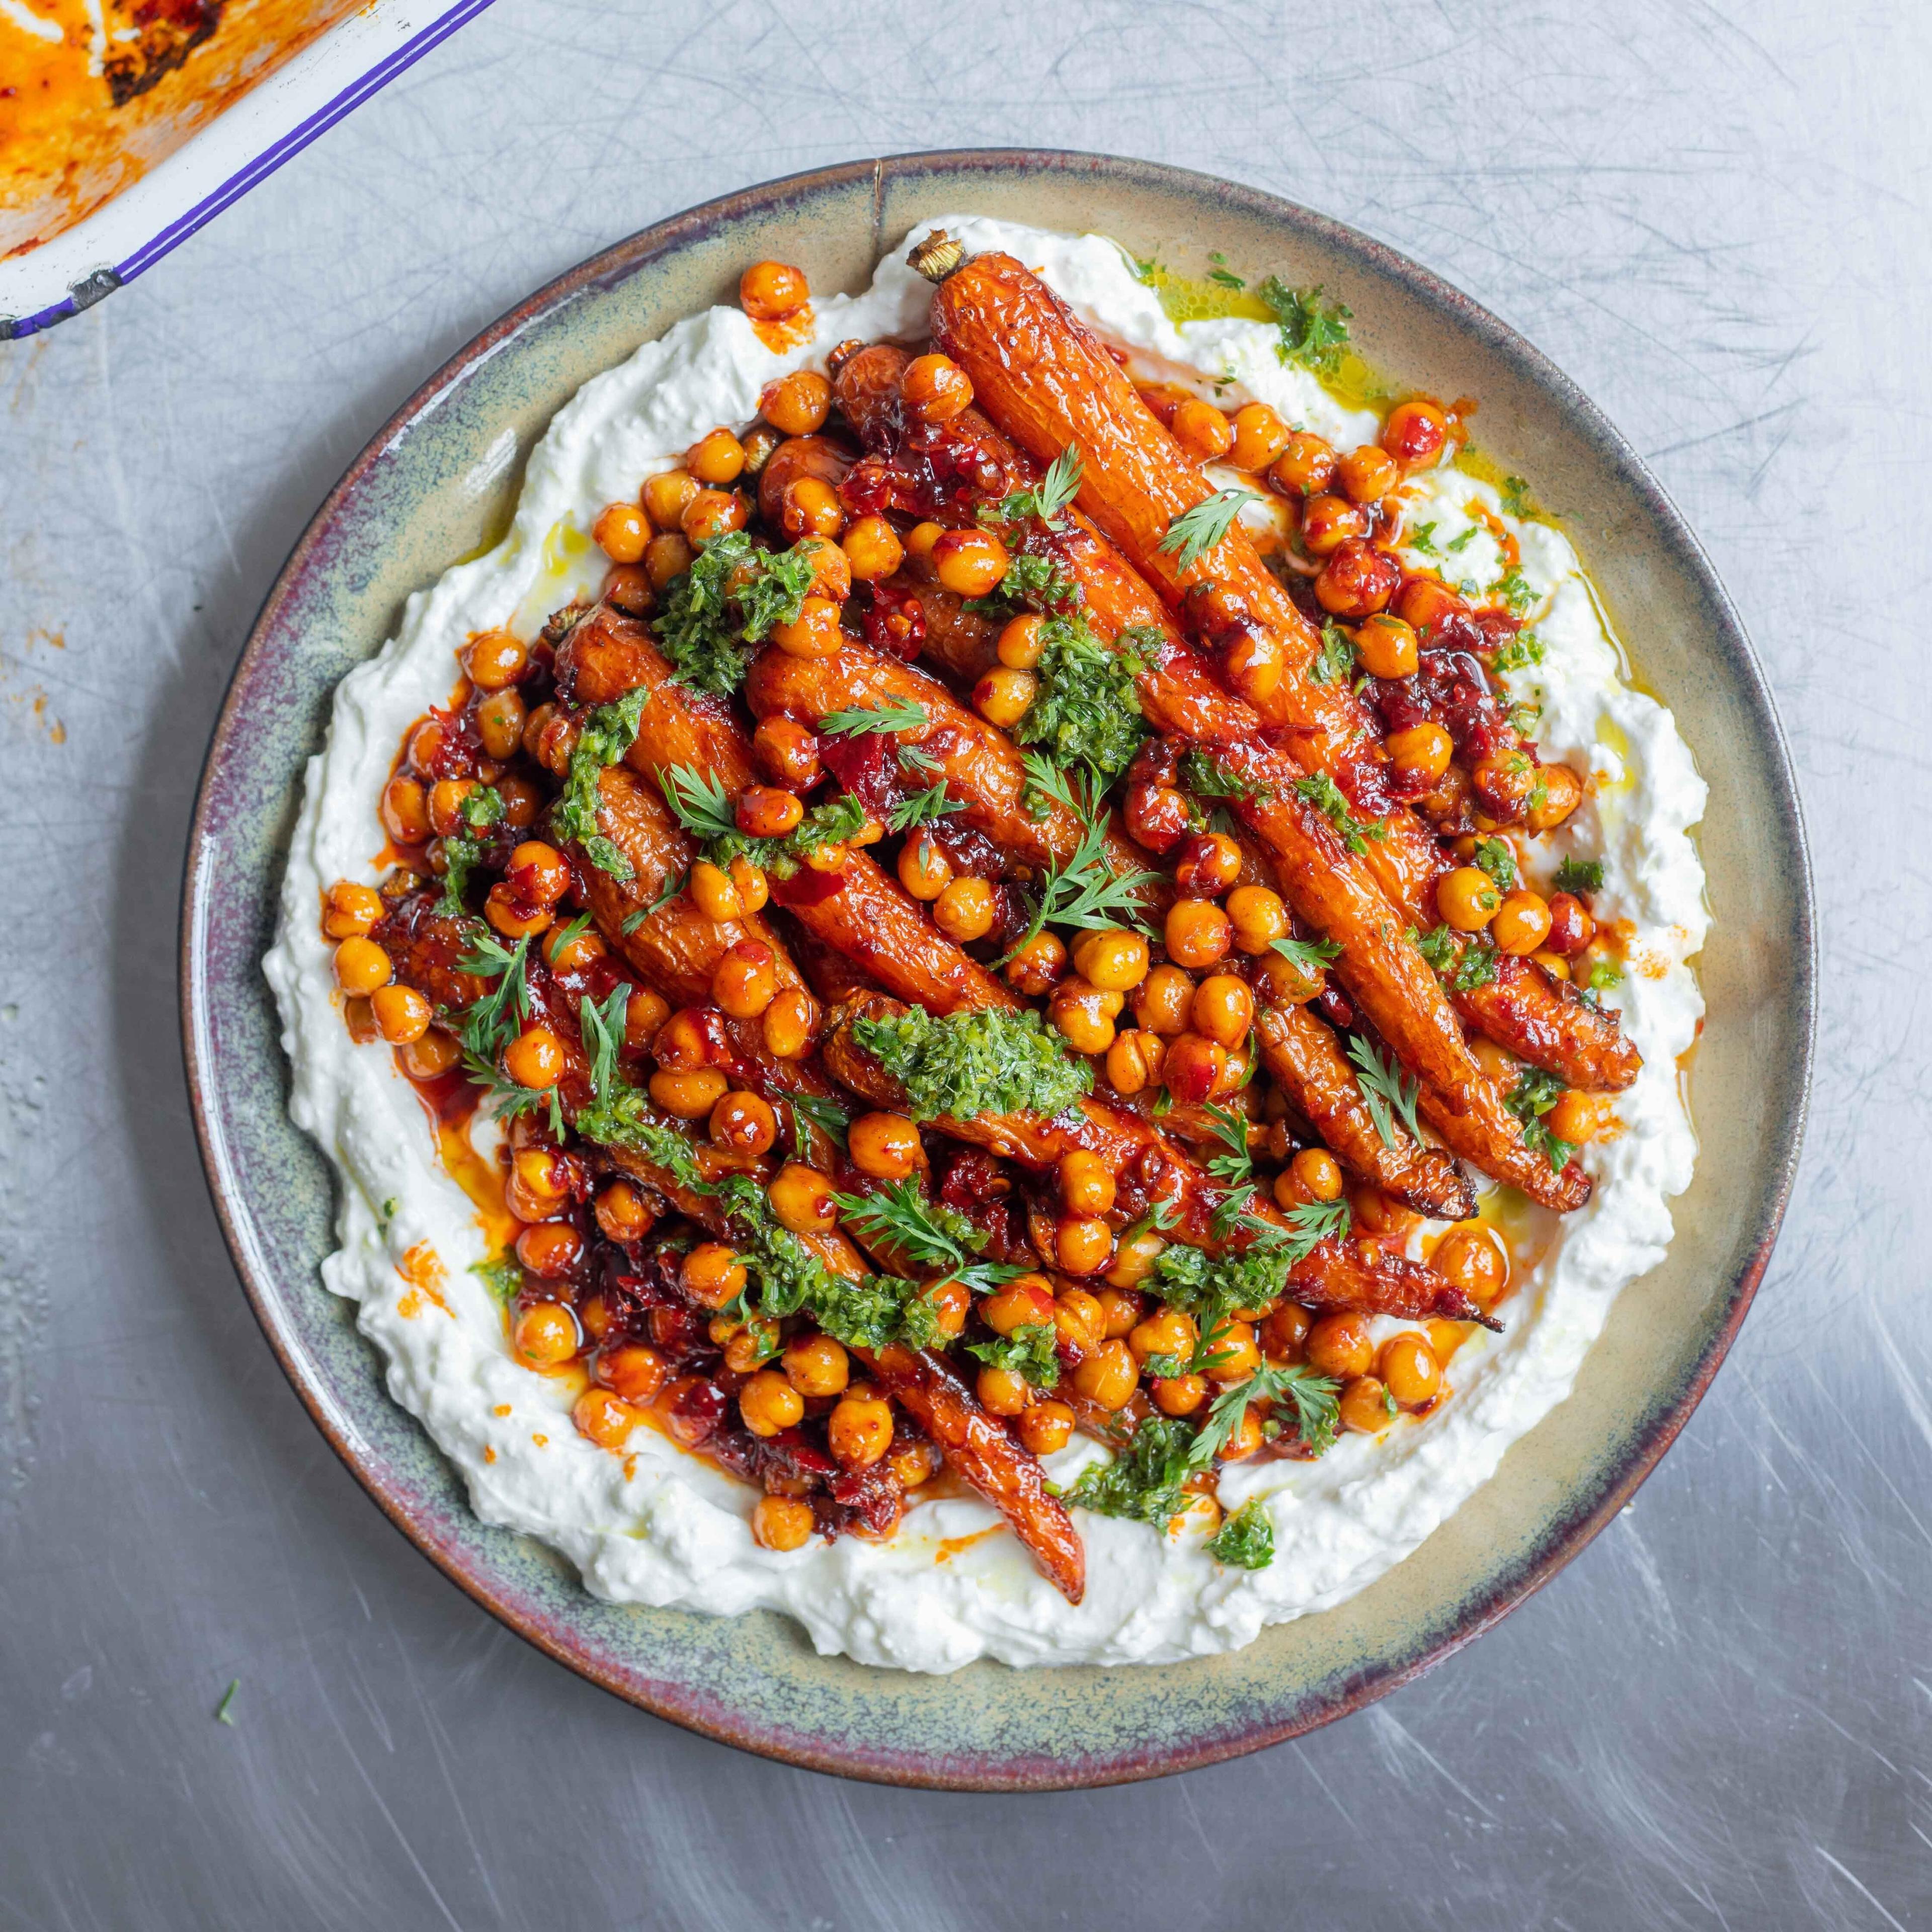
(439, 482)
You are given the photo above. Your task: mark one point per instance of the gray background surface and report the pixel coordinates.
(1715, 217)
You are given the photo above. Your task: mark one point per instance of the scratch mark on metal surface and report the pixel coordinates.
(1852, 1879)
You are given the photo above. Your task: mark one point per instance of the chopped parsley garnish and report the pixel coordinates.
(462, 851)
(1210, 1288)
(1468, 537)
(1086, 711)
(1580, 875)
(221, 1716)
(927, 1234)
(1247, 1539)
(965, 1064)
(894, 714)
(1335, 658)
(1222, 274)
(1208, 777)
(1315, 1409)
(1390, 1092)
(1029, 1352)
(1197, 531)
(604, 736)
(1604, 973)
(1313, 332)
(1321, 791)
(1516, 497)
(501, 1275)
(1422, 540)
(1513, 588)
(733, 596)
(1057, 488)
(1143, 1482)
(1534, 1094)
(1031, 583)
(922, 808)
(1493, 855)
(1461, 963)
(1522, 651)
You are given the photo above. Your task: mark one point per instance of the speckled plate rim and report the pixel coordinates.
(214, 960)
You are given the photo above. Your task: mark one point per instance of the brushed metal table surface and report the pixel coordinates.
(1714, 216)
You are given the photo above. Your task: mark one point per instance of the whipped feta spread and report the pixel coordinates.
(654, 1525)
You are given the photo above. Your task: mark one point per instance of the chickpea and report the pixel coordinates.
(621, 531)
(1023, 642)
(1045, 1427)
(714, 894)
(361, 966)
(1038, 967)
(781, 1522)
(1388, 647)
(936, 388)
(1134, 1260)
(1571, 927)
(813, 633)
(770, 1404)
(666, 557)
(1237, 1355)
(1084, 1015)
(885, 1146)
(511, 915)
(1178, 1395)
(816, 1365)
(771, 291)
(351, 910)
(1246, 1439)
(790, 1024)
(1209, 864)
(811, 508)
(713, 1274)
(1367, 474)
(1201, 429)
(1086, 1182)
(915, 1464)
(951, 1302)
(1108, 1377)
(1364, 1406)
(535, 1058)
(546, 1333)
(1284, 1333)
(605, 1418)
(1114, 961)
(1562, 792)
(499, 724)
(716, 459)
(745, 981)
(667, 495)
(1305, 467)
(1423, 603)
(1409, 1371)
(1156, 817)
(1421, 753)
(550, 1250)
(1329, 522)
(1467, 898)
(767, 811)
(521, 800)
(1260, 436)
(644, 1012)
(714, 513)
(1163, 1001)
(925, 871)
(429, 1058)
(1079, 1318)
(801, 1199)
(446, 804)
(1198, 932)
(969, 562)
(1027, 1302)
(873, 549)
(1167, 1331)
(1577, 1117)
(1554, 964)
(1134, 1062)
(1003, 697)
(1338, 1346)
(1002, 1392)
(1377, 1214)
(497, 658)
(1358, 580)
(964, 911)
(539, 1184)
(1469, 1257)
(754, 888)
(1415, 432)
(1257, 918)
(621, 1215)
(1223, 1008)
(1314, 1175)
(405, 811)
(831, 573)
(1522, 923)
(688, 1095)
(920, 539)
(1082, 1245)
(1196, 1067)
(401, 1014)
(1121, 1310)
(635, 1372)
(745, 1123)
(797, 404)
(786, 753)
(566, 951)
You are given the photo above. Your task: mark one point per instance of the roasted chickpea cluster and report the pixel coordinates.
(598, 919)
